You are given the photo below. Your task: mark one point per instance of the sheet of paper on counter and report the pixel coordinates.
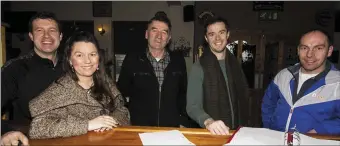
(172, 137)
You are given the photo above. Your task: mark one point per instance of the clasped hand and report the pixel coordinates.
(13, 137)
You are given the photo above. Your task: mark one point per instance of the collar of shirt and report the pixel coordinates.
(165, 58)
(45, 61)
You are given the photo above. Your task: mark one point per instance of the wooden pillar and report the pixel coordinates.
(263, 52)
(261, 60)
(280, 55)
(3, 45)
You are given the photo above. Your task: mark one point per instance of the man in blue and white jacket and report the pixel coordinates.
(306, 95)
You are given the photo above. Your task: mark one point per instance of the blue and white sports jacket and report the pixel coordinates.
(317, 106)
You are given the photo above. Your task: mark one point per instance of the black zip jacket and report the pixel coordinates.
(148, 106)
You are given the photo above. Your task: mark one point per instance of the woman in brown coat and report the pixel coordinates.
(84, 99)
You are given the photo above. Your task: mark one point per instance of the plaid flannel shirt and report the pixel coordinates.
(159, 66)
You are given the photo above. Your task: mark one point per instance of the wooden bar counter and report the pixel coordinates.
(129, 136)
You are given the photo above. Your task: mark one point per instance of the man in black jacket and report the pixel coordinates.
(155, 80)
(25, 77)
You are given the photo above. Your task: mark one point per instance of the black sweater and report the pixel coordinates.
(22, 79)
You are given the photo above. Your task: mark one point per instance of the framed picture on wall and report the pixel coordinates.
(102, 8)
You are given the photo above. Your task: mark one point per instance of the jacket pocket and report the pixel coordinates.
(141, 81)
(141, 74)
(176, 73)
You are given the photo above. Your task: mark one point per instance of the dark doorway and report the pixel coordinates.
(247, 59)
(129, 36)
(69, 27)
(271, 61)
(18, 28)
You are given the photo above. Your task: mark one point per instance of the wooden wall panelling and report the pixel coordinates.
(3, 45)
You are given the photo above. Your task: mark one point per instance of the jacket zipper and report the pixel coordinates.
(160, 95)
(289, 118)
(159, 106)
(231, 105)
(159, 92)
(292, 108)
(293, 105)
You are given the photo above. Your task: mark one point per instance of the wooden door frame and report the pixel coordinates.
(259, 38)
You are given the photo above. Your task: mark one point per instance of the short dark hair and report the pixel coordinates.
(329, 37)
(43, 15)
(162, 17)
(213, 20)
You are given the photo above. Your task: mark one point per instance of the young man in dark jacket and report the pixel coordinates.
(155, 80)
(217, 89)
(25, 77)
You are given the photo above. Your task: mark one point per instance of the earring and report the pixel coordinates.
(72, 68)
(97, 68)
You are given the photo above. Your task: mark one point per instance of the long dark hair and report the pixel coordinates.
(101, 89)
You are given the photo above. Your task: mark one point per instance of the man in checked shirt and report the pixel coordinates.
(155, 80)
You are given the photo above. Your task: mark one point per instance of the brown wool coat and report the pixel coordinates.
(64, 109)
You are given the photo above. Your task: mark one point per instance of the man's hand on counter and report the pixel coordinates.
(216, 127)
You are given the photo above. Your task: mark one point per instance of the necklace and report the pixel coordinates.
(89, 90)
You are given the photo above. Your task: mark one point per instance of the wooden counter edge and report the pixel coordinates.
(143, 129)
(199, 131)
